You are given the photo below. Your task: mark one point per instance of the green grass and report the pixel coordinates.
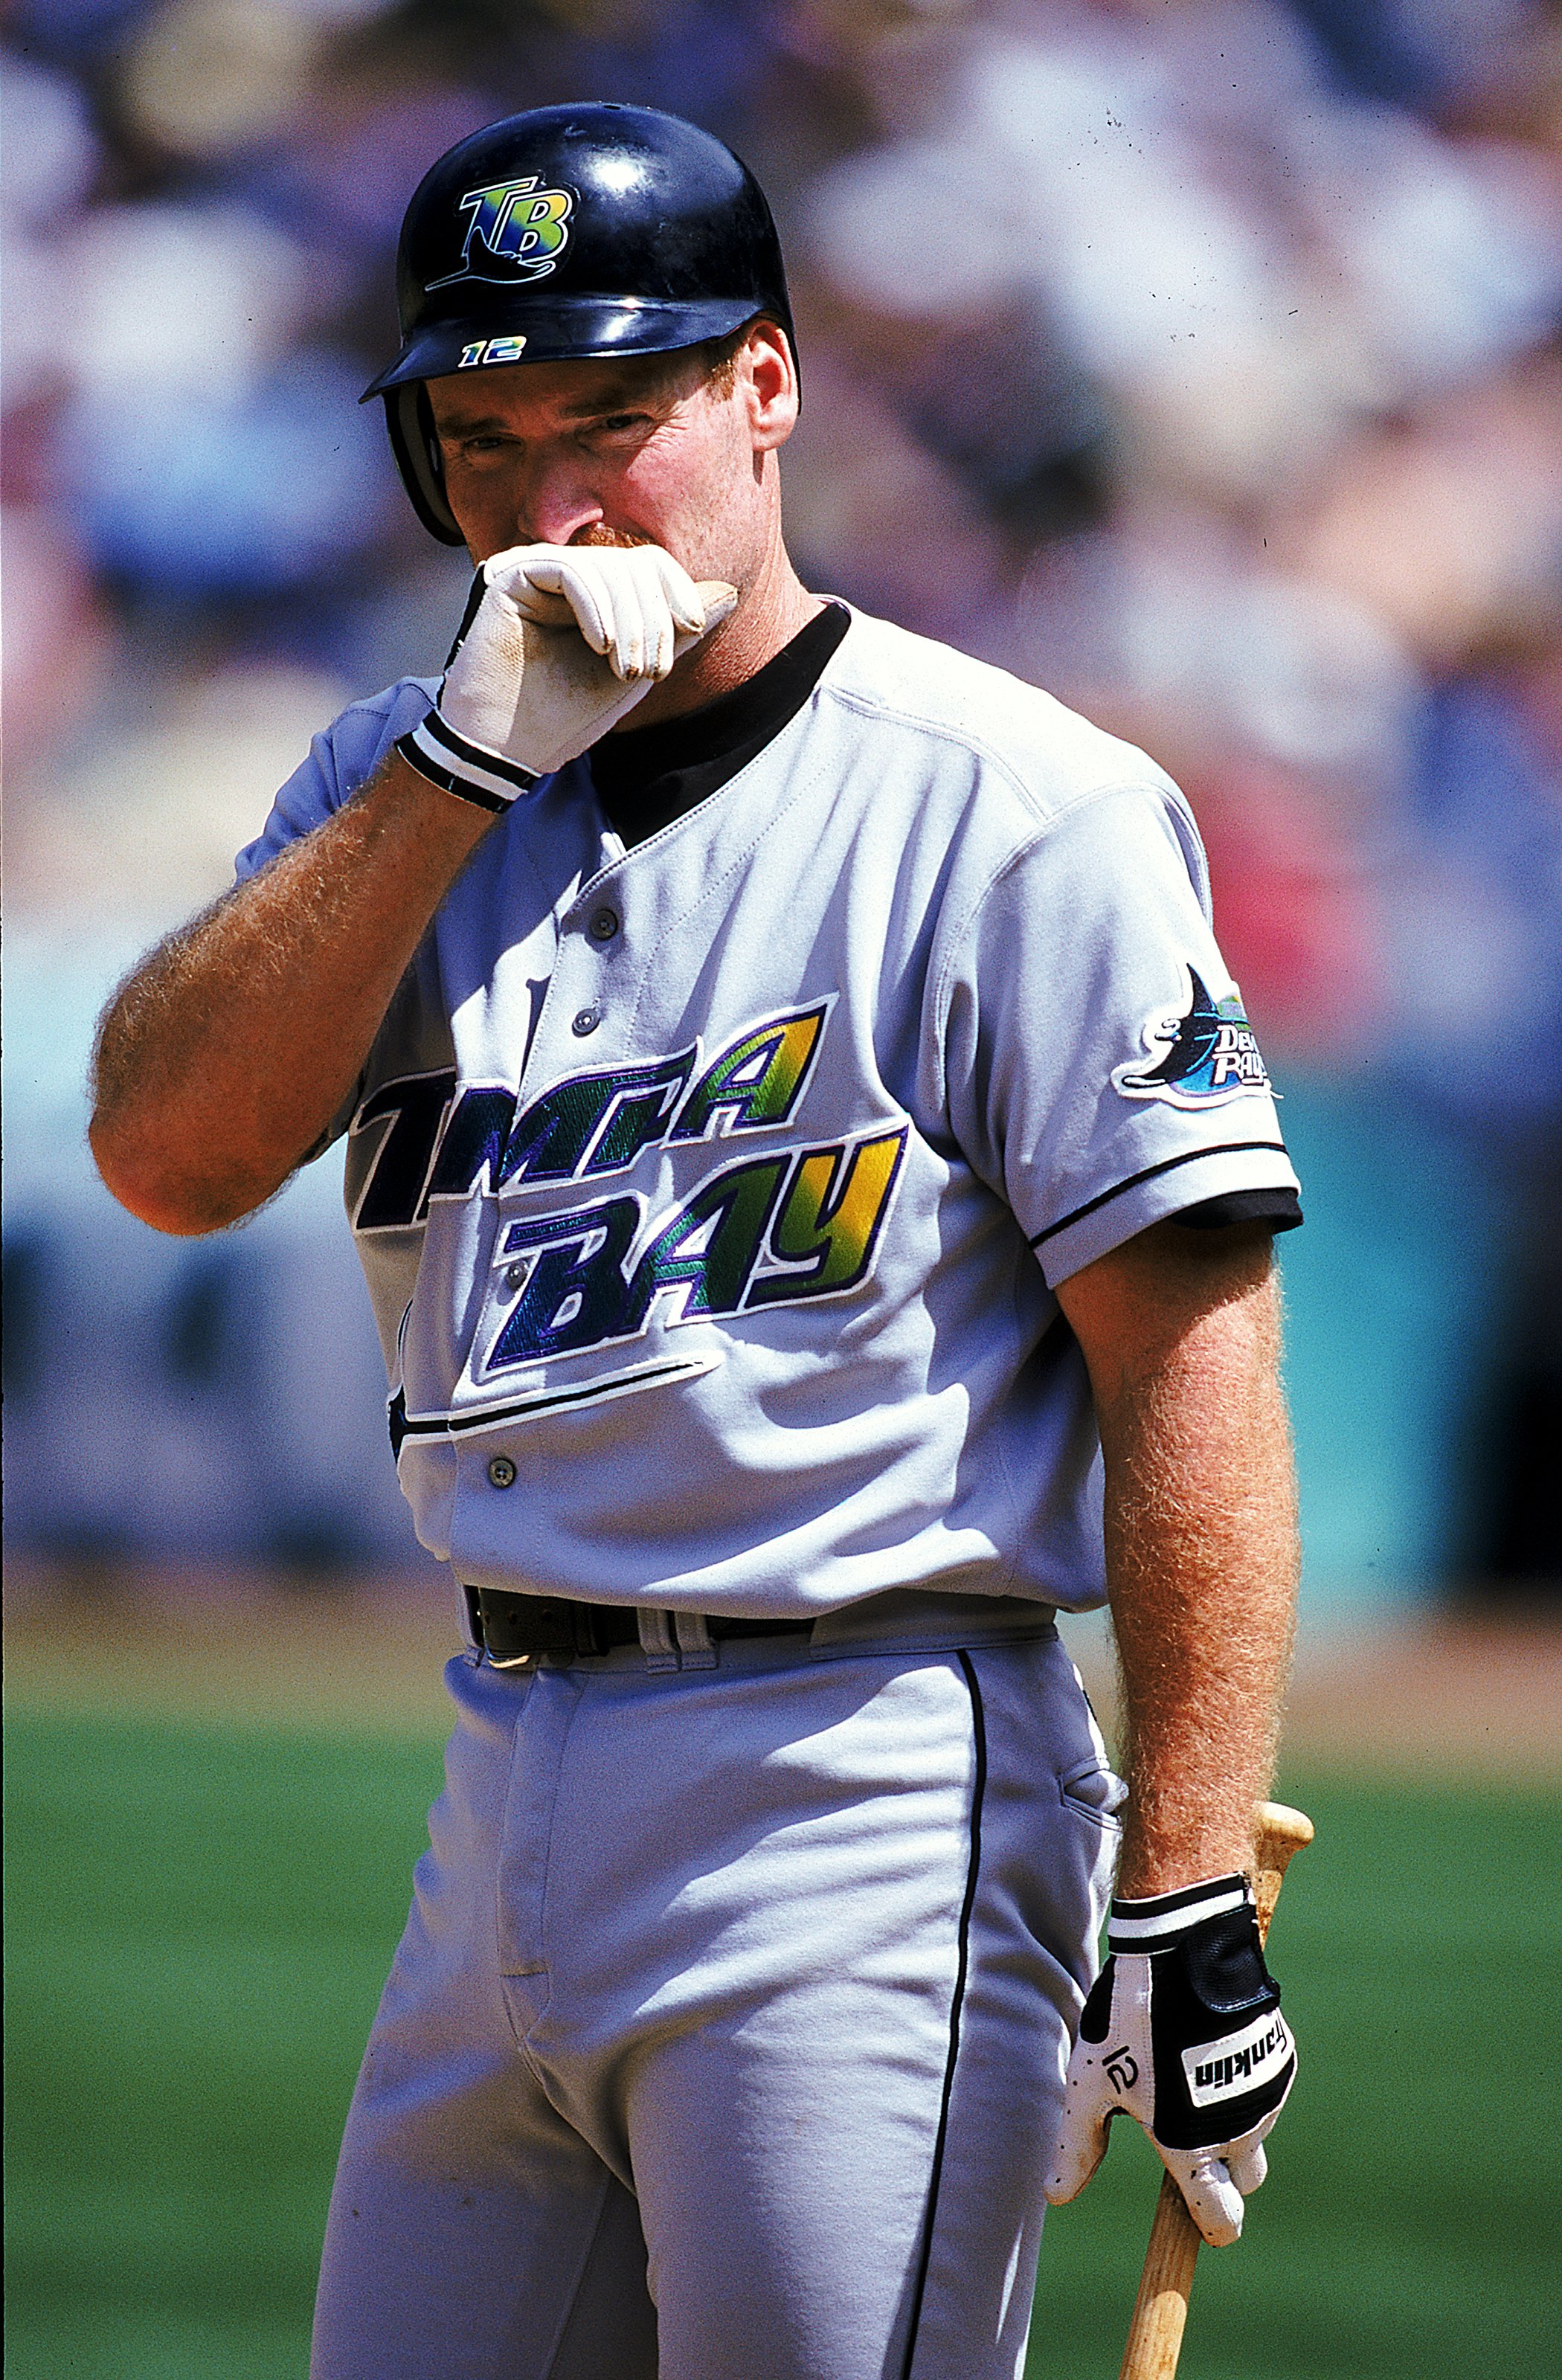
(200, 1918)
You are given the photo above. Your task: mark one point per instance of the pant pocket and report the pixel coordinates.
(1094, 1792)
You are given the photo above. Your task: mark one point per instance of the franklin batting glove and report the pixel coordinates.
(558, 643)
(1183, 2032)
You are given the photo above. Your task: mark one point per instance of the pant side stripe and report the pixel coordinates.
(963, 1966)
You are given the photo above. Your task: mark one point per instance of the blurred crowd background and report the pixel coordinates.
(1197, 359)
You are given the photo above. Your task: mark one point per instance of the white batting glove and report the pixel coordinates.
(558, 642)
(1183, 2032)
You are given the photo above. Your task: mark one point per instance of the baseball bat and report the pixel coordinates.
(1160, 2309)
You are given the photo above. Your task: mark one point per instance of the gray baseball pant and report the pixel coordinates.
(726, 2037)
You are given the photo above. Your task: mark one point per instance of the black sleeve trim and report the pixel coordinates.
(1168, 1165)
(1280, 1209)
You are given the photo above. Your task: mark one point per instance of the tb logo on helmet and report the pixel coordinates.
(514, 227)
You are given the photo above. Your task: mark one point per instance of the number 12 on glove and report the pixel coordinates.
(1183, 2032)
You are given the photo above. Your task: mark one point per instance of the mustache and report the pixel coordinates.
(598, 533)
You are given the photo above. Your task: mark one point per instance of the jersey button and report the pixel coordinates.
(501, 1471)
(586, 1020)
(603, 925)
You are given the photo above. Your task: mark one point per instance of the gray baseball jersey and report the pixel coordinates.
(713, 1194)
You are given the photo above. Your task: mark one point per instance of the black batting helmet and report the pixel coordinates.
(595, 230)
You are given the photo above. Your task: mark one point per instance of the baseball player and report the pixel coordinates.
(815, 1180)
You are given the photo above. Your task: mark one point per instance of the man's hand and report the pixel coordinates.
(1182, 2031)
(559, 641)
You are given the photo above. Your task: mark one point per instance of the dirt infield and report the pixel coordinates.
(1434, 1696)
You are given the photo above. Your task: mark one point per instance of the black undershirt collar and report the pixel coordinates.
(646, 777)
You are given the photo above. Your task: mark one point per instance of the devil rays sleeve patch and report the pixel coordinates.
(1197, 1057)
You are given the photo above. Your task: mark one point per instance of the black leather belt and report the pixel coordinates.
(509, 1627)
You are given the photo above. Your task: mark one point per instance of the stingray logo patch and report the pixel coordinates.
(1212, 1054)
(514, 231)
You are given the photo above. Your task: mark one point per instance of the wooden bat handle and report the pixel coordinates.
(1160, 2309)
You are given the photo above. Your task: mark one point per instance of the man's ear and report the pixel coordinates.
(770, 381)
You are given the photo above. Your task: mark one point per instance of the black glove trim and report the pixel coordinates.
(475, 594)
(469, 770)
(1159, 1920)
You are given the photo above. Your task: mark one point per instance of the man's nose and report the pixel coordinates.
(557, 501)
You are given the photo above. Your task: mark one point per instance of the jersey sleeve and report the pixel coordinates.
(343, 757)
(1100, 1068)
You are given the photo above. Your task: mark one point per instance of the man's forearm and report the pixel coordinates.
(1200, 1547)
(224, 1058)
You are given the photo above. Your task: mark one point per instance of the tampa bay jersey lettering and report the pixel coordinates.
(773, 1230)
(589, 1125)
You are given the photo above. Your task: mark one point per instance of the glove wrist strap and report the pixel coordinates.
(469, 770)
(1160, 1919)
